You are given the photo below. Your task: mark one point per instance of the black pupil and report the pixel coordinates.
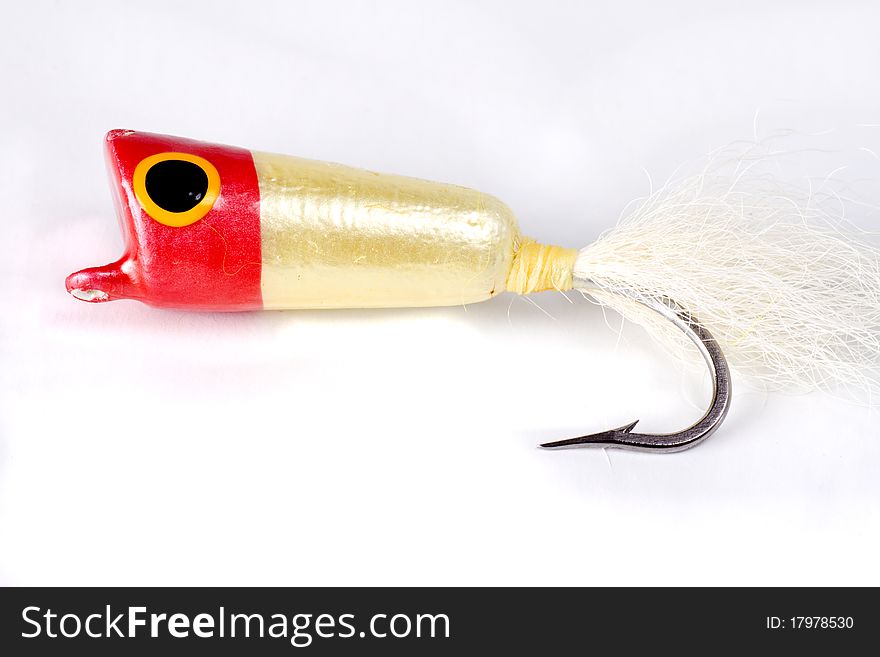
(176, 185)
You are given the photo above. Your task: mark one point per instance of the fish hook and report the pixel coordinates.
(624, 437)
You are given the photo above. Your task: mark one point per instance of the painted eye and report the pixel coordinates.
(176, 185)
(176, 189)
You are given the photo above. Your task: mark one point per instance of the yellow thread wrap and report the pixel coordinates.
(538, 267)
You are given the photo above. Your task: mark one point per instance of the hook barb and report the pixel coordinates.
(624, 437)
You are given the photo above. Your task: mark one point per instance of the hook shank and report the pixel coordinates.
(624, 437)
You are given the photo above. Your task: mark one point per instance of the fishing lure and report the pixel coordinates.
(218, 228)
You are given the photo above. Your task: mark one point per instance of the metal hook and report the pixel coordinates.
(624, 437)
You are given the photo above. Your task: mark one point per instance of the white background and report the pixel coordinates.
(140, 446)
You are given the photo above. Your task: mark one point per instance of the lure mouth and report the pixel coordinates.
(92, 296)
(99, 284)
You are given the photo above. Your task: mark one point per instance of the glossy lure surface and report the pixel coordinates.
(210, 227)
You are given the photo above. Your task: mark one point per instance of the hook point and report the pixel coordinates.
(609, 437)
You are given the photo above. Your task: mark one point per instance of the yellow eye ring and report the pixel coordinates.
(188, 199)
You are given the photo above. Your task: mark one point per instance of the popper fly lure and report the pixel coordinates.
(775, 286)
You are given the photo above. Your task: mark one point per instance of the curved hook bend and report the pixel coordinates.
(624, 437)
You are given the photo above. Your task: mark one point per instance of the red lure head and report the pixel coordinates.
(190, 214)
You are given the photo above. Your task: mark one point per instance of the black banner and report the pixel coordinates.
(407, 621)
